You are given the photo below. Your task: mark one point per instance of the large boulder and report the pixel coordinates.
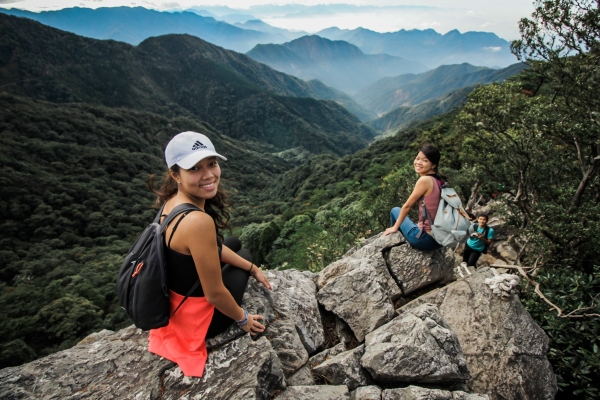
(366, 393)
(118, 365)
(240, 370)
(415, 269)
(359, 300)
(345, 369)
(293, 296)
(504, 348)
(419, 393)
(315, 393)
(287, 344)
(415, 347)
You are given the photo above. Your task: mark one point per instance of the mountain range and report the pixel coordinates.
(133, 25)
(429, 47)
(336, 63)
(389, 93)
(177, 75)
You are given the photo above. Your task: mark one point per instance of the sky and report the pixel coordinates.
(498, 16)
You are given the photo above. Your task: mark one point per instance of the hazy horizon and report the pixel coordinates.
(499, 17)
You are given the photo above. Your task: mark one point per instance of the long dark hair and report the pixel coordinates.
(217, 207)
(433, 154)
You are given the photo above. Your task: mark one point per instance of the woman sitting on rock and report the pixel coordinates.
(428, 190)
(195, 252)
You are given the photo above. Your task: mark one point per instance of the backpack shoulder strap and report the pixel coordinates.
(176, 211)
(157, 218)
(424, 212)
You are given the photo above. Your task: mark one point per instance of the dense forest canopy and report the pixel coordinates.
(73, 194)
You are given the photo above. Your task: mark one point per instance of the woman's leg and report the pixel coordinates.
(235, 280)
(394, 214)
(410, 230)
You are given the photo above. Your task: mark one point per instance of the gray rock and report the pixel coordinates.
(375, 262)
(416, 393)
(366, 393)
(293, 296)
(119, 366)
(114, 366)
(314, 393)
(326, 354)
(302, 377)
(504, 348)
(415, 269)
(359, 300)
(345, 369)
(376, 245)
(417, 346)
(242, 369)
(287, 344)
(506, 251)
(458, 395)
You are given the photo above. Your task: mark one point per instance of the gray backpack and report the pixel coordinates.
(451, 225)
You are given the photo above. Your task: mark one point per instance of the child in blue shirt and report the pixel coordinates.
(478, 242)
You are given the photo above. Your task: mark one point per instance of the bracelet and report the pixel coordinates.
(251, 266)
(243, 321)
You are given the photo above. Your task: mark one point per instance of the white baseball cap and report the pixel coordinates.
(187, 148)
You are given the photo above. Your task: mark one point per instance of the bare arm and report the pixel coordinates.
(205, 253)
(232, 258)
(422, 188)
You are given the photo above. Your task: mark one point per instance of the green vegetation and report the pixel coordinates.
(177, 75)
(73, 198)
(73, 195)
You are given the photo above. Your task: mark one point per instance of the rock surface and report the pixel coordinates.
(504, 348)
(419, 393)
(359, 300)
(315, 393)
(345, 369)
(287, 344)
(366, 393)
(415, 347)
(415, 269)
(118, 365)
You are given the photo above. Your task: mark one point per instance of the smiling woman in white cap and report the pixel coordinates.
(197, 253)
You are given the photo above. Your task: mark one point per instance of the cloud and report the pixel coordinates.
(9, 1)
(492, 49)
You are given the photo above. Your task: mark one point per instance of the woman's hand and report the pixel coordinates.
(390, 230)
(260, 277)
(253, 326)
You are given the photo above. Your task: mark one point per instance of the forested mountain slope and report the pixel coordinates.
(73, 197)
(410, 89)
(336, 63)
(407, 116)
(176, 75)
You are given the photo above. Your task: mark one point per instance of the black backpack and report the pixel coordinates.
(142, 280)
(484, 234)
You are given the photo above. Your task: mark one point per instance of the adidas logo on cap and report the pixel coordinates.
(198, 145)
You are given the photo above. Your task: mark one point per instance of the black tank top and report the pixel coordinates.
(181, 270)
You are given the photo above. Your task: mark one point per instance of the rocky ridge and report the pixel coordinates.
(339, 334)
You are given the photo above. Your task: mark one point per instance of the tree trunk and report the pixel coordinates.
(591, 171)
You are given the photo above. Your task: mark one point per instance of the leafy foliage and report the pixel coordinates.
(176, 75)
(73, 197)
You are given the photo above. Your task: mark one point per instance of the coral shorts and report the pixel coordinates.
(183, 341)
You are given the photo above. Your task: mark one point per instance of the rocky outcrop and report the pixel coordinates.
(415, 347)
(118, 365)
(339, 327)
(504, 348)
(418, 393)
